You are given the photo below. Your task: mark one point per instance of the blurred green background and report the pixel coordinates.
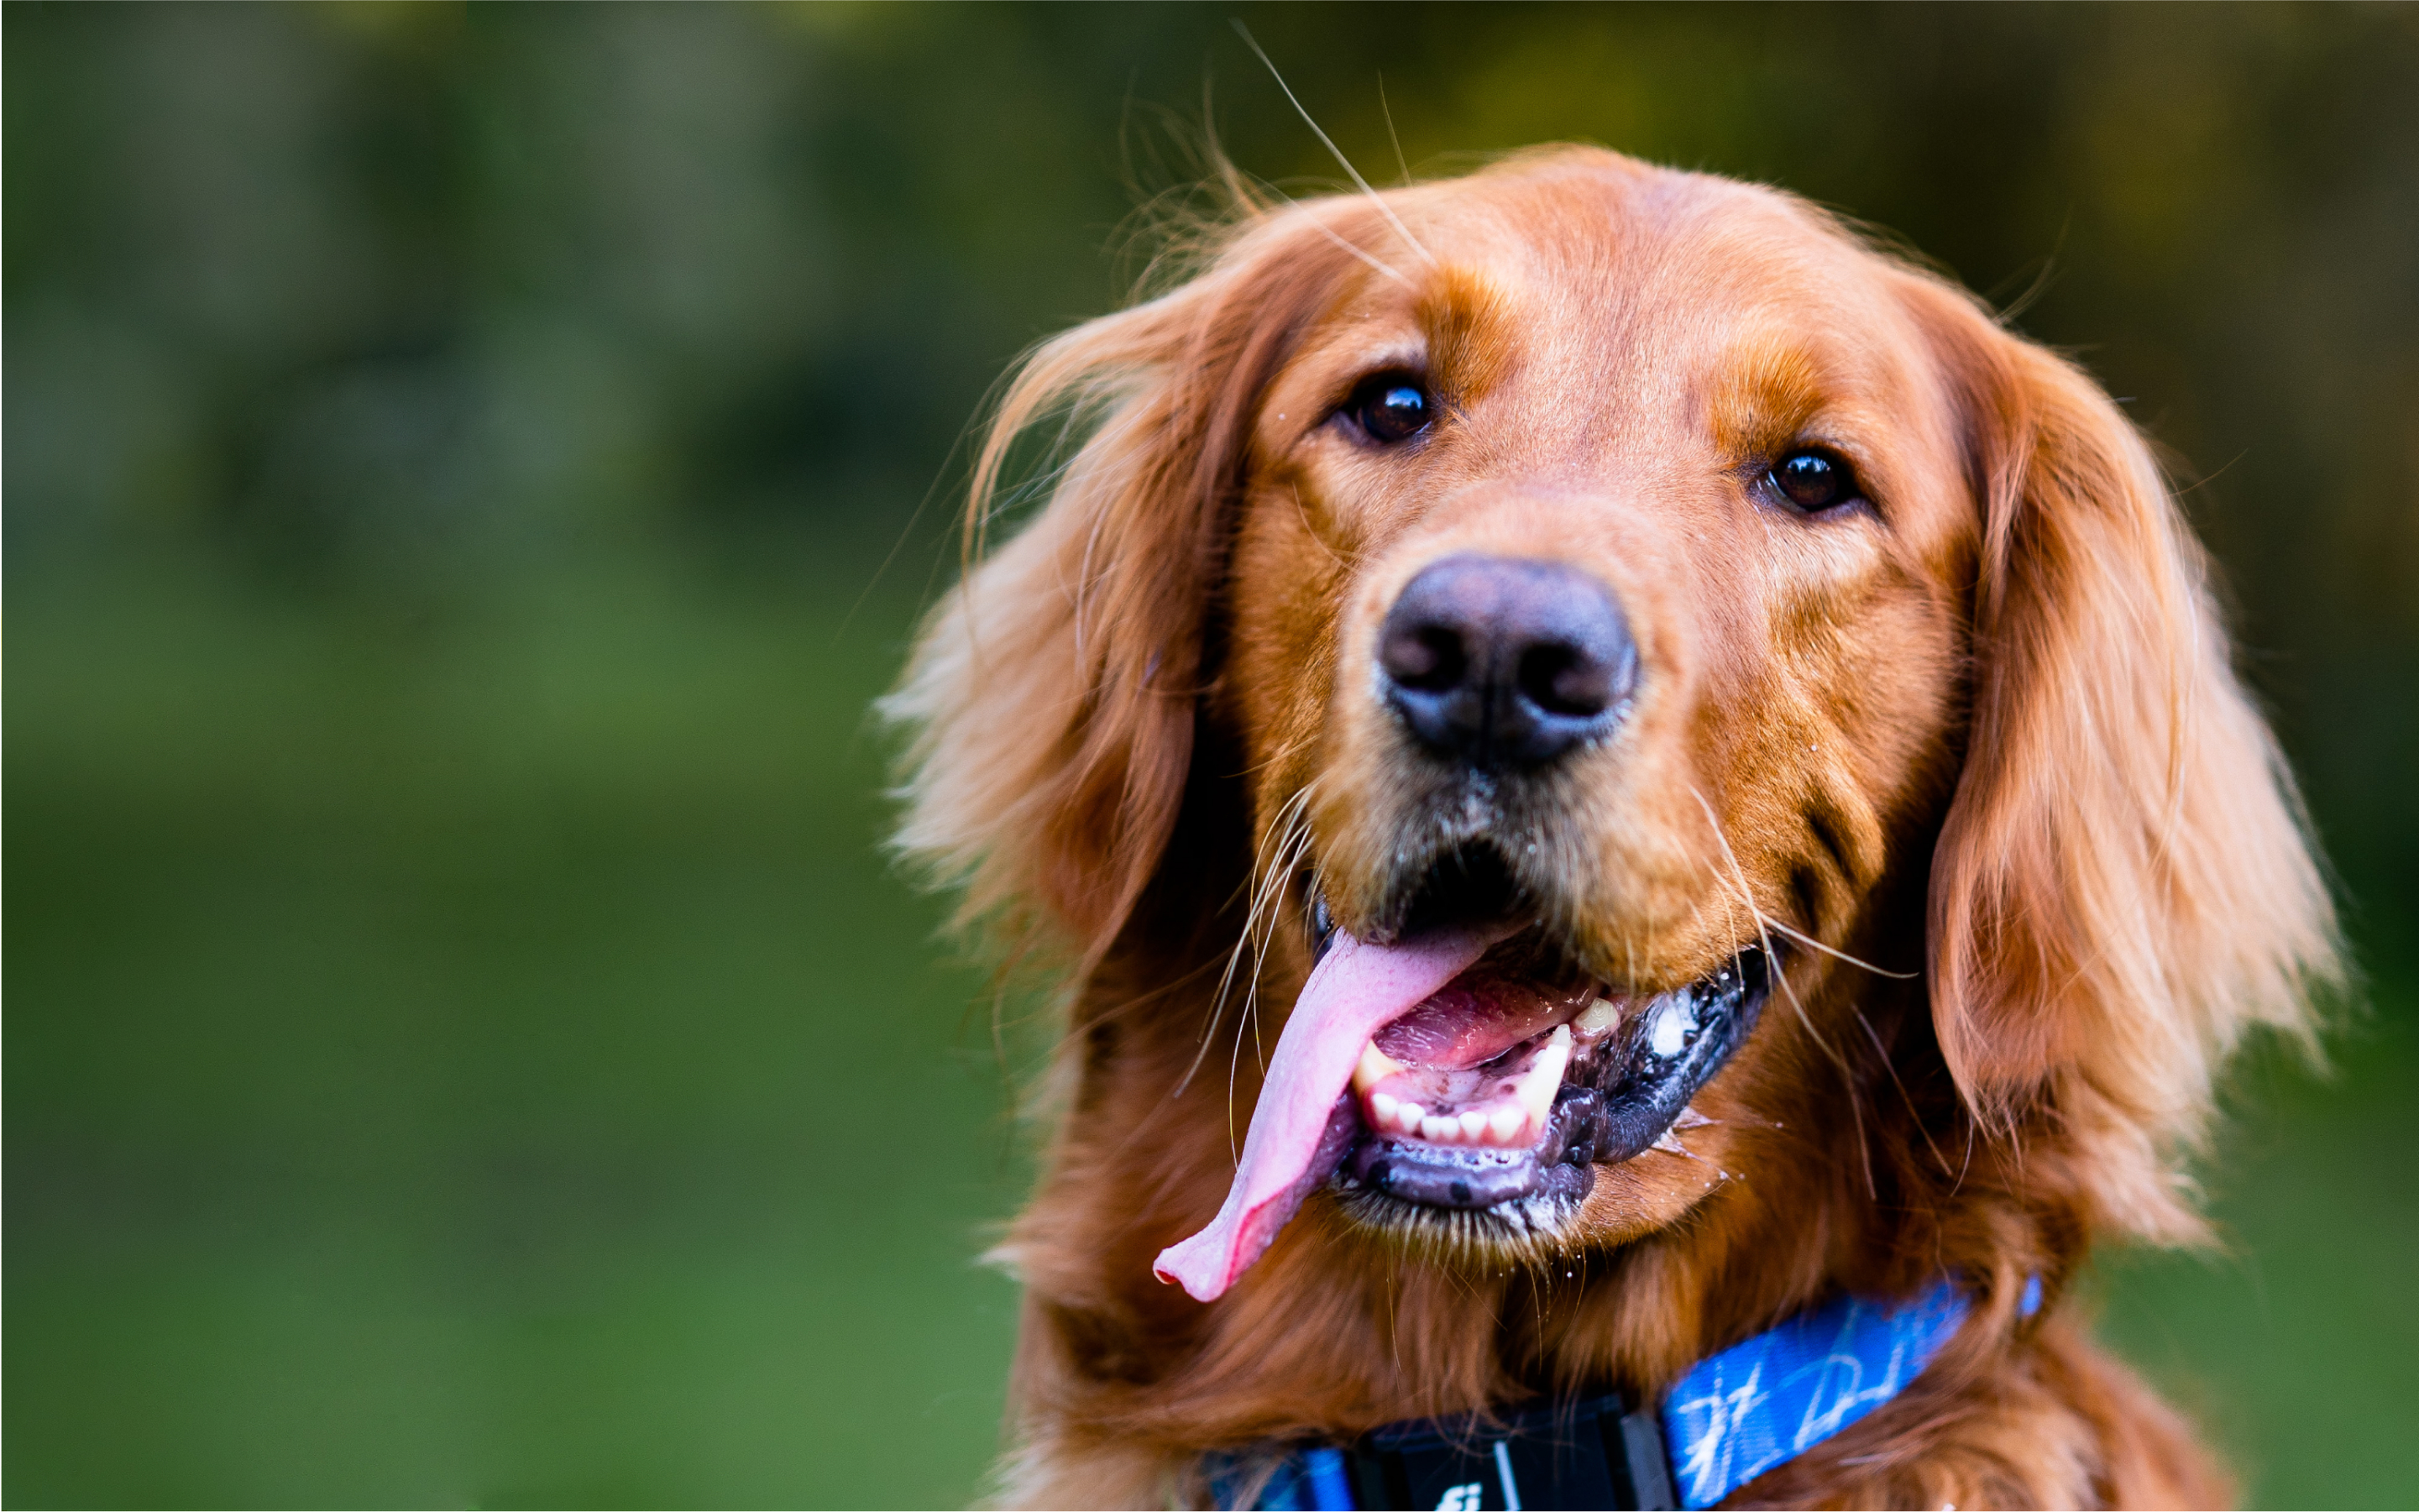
(462, 1045)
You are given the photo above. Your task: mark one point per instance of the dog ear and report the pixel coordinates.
(1052, 693)
(2123, 884)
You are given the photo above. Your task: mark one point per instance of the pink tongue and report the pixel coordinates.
(1356, 990)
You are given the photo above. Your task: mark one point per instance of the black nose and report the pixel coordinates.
(1505, 663)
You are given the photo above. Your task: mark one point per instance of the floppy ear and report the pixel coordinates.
(1052, 692)
(2123, 884)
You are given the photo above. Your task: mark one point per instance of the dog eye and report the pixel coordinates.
(1812, 481)
(1391, 407)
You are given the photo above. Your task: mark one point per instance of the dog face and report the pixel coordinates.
(1605, 577)
(1683, 706)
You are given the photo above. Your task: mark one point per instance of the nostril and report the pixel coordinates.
(1429, 658)
(1561, 678)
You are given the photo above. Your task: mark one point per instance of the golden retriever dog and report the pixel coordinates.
(1612, 775)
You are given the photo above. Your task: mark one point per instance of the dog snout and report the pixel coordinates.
(1505, 663)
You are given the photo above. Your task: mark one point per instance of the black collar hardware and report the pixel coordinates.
(1592, 1454)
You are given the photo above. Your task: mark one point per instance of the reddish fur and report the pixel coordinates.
(1988, 739)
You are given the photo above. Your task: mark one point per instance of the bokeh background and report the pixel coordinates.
(463, 1044)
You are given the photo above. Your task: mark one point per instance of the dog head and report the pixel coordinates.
(1642, 672)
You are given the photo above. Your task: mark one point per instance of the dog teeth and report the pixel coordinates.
(1543, 1078)
(1390, 1112)
(1602, 1015)
(1375, 1067)
(1500, 1120)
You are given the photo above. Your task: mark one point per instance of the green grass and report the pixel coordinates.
(483, 1059)
(483, 1066)
(2295, 1343)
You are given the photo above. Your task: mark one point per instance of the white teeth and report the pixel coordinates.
(1601, 1015)
(1375, 1067)
(1543, 1078)
(1498, 1123)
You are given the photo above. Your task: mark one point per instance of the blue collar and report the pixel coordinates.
(1733, 1417)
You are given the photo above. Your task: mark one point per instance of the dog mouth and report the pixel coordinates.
(1458, 1070)
(1456, 1119)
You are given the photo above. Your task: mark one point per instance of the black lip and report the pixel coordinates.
(1615, 1106)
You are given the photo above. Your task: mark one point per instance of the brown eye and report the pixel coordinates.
(1392, 407)
(1810, 481)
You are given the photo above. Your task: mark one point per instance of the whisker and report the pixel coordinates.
(1310, 213)
(1312, 531)
(1226, 980)
(1286, 837)
(1325, 230)
(1388, 110)
(1249, 1019)
(1839, 1061)
(1383, 209)
(1764, 923)
(1882, 1051)
(1812, 943)
(1297, 841)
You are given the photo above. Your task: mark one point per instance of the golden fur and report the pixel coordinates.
(1981, 741)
